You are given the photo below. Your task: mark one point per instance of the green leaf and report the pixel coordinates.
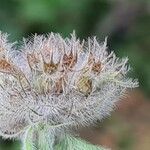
(38, 139)
(41, 138)
(29, 143)
(72, 143)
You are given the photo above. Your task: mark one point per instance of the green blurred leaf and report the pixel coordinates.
(72, 143)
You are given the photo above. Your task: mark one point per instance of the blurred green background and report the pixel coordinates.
(127, 25)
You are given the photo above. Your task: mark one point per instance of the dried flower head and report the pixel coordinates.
(58, 82)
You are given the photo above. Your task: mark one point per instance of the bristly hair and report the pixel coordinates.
(58, 82)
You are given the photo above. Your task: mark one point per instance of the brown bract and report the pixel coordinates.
(69, 61)
(7, 67)
(50, 67)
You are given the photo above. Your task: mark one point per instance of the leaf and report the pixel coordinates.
(42, 139)
(72, 143)
(37, 139)
(29, 143)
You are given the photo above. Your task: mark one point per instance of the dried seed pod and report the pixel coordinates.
(60, 82)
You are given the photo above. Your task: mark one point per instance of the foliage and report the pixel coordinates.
(45, 141)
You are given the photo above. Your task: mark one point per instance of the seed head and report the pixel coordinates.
(54, 81)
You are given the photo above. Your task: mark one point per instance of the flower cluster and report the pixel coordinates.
(56, 81)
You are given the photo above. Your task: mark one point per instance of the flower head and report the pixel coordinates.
(55, 81)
